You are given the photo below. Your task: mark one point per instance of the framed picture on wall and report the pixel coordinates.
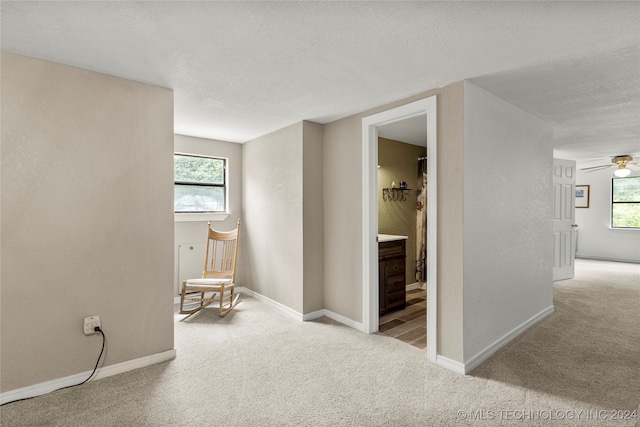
(582, 196)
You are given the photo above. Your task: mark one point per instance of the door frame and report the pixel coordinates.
(370, 311)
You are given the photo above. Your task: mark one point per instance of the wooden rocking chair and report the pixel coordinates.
(218, 275)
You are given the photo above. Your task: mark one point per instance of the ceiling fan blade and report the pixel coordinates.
(595, 168)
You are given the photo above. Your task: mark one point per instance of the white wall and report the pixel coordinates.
(596, 238)
(508, 246)
(187, 232)
(87, 219)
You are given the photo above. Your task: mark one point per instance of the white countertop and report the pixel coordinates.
(390, 237)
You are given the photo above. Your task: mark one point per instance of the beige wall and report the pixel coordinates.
(450, 221)
(313, 206)
(87, 221)
(282, 216)
(272, 202)
(195, 231)
(398, 161)
(343, 216)
(342, 177)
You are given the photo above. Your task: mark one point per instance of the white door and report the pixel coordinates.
(564, 235)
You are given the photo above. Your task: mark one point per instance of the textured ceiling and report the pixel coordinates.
(592, 102)
(243, 69)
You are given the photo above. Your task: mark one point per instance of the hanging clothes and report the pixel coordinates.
(421, 221)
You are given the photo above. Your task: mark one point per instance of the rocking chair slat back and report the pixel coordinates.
(221, 254)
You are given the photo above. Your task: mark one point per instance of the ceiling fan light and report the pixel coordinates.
(621, 173)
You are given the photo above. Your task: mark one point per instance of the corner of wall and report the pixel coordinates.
(313, 217)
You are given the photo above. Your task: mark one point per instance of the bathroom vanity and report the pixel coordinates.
(392, 275)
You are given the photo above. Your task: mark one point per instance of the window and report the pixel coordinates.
(625, 202)
(200, 184)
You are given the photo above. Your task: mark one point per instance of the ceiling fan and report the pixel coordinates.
(621, 162)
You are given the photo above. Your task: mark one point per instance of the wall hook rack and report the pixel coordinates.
(395, 194)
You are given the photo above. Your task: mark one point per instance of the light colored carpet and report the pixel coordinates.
(260, 367)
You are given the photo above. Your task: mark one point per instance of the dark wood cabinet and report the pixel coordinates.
(392, 275)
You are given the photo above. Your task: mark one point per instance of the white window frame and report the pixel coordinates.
(612, 203)
(206, 216)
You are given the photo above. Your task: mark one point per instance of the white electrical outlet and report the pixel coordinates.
(90, 323)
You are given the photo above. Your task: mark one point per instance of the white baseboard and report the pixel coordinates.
(338, 318)
(483, 355)
(450, 364)
(107, 371)
(306, 317)
(602, 258)
(313, 315)
(283, 307)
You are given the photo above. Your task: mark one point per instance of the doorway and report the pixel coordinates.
(402, 205)
(370, 297)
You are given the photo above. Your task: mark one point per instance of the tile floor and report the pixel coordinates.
(408, 325)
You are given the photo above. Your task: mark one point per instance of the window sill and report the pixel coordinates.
(205, 216)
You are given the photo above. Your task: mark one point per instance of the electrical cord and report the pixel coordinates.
(95, 368)
(96, 329)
